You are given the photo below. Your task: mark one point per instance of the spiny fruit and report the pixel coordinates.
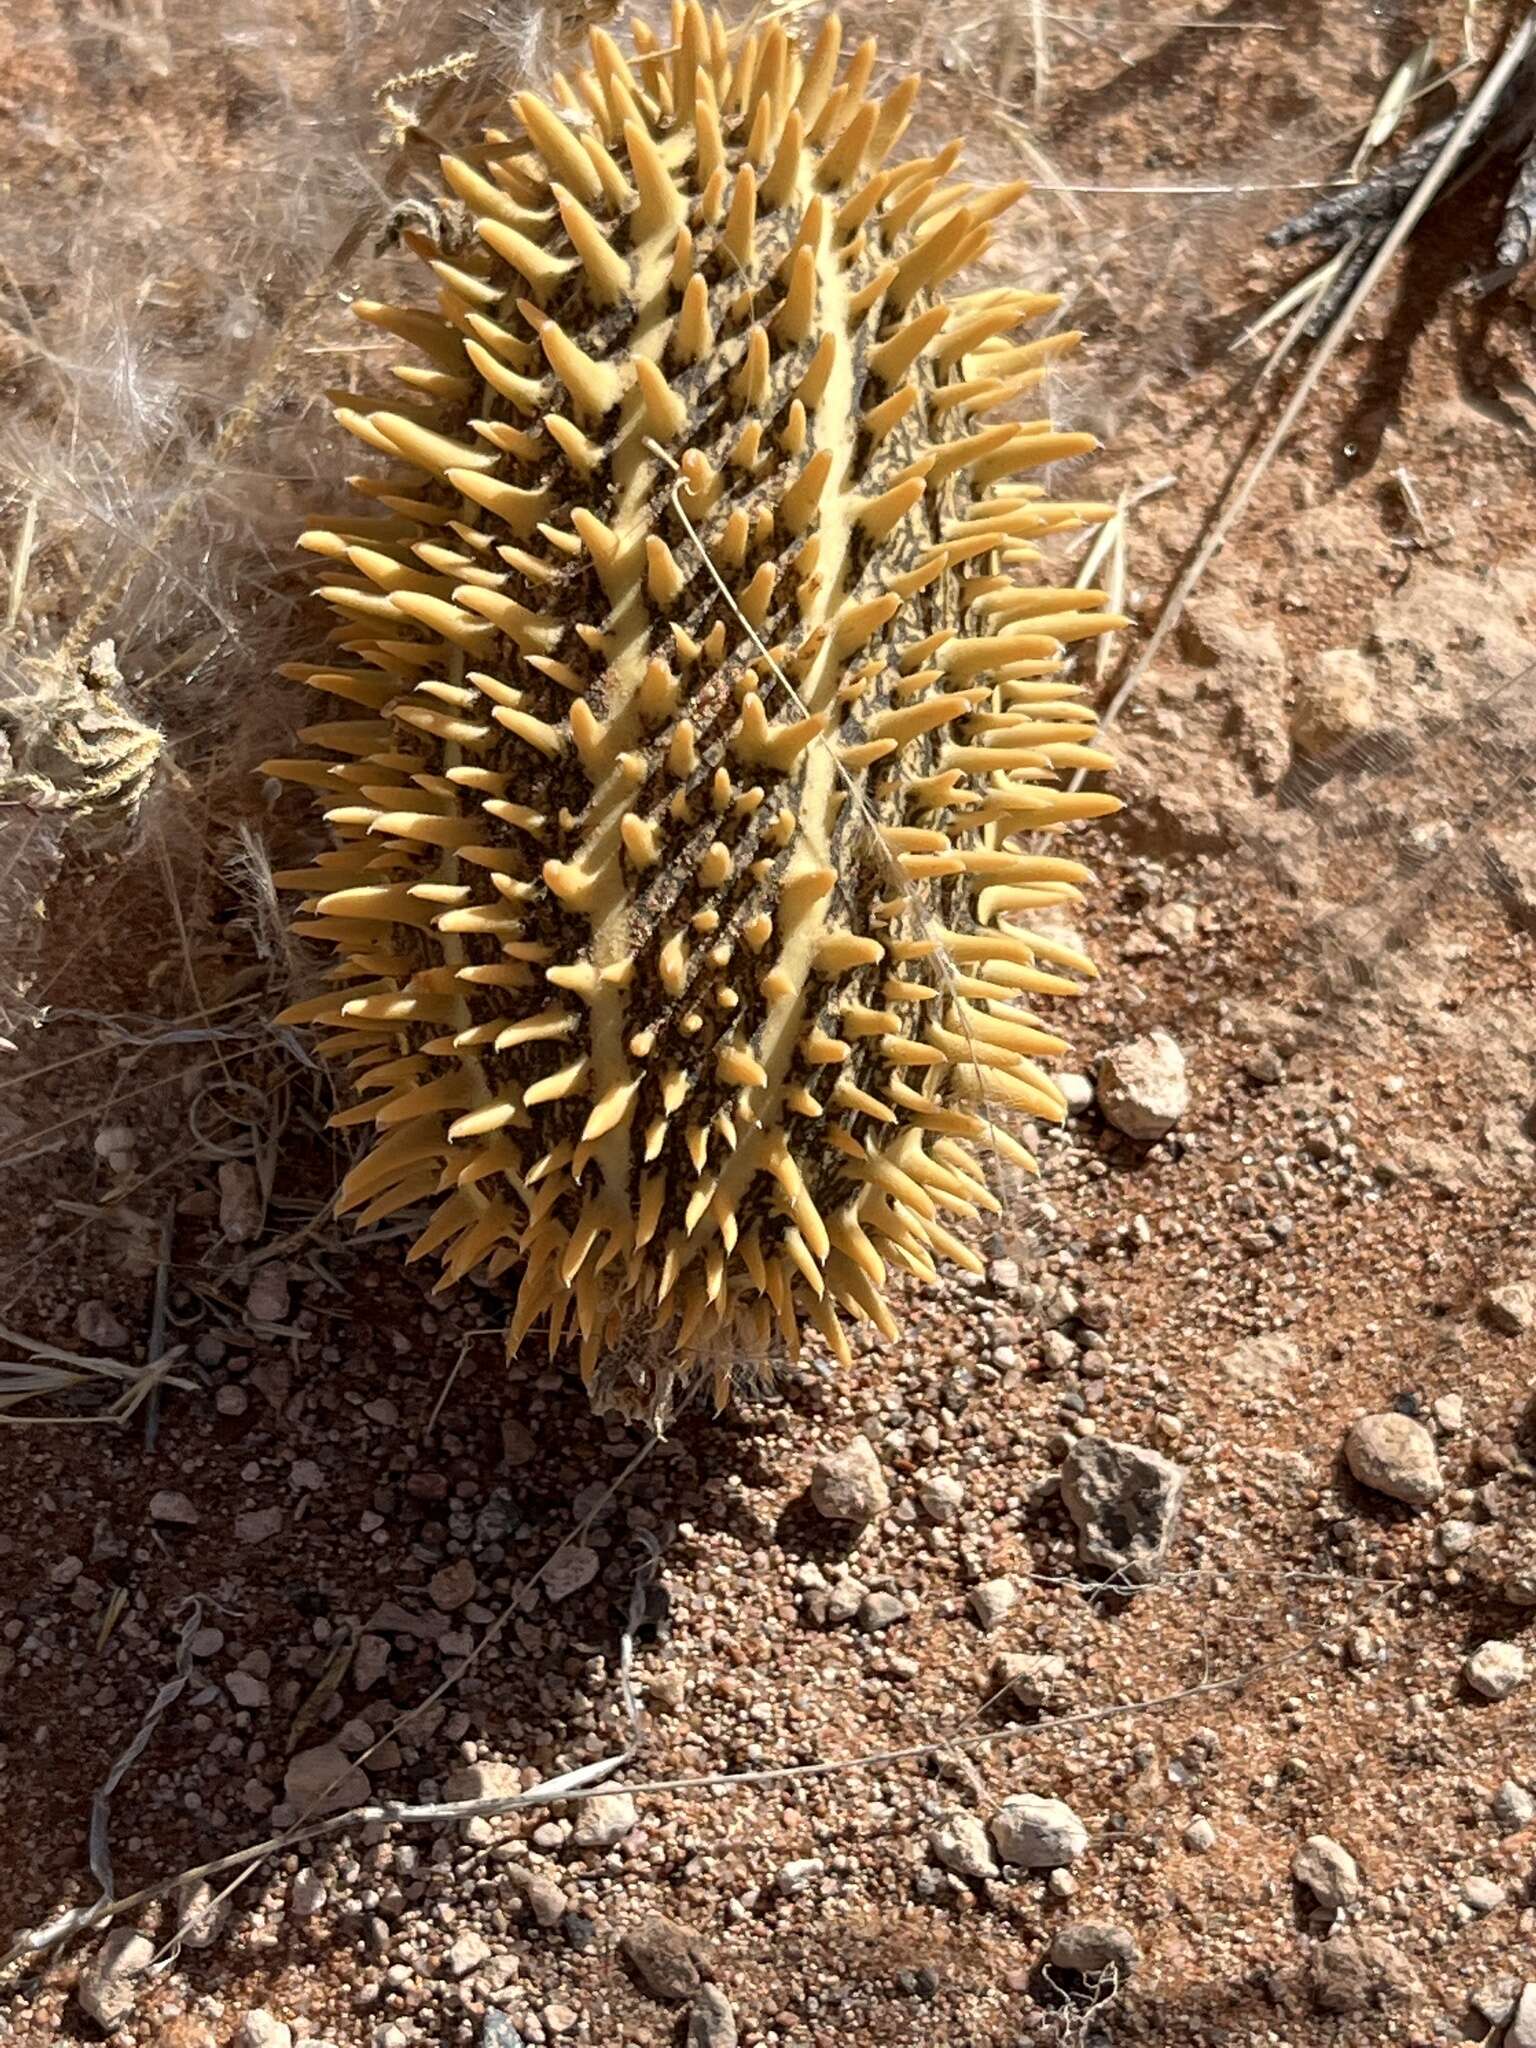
(699, 695)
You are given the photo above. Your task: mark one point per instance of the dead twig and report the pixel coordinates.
(1238, 492)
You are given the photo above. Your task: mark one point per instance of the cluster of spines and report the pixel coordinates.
(702, 701)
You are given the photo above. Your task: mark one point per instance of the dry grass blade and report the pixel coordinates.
(21, 562)
(588, 1780)
(1409, 82)
(48, 1371)
(1399, 93)
(1237, 494)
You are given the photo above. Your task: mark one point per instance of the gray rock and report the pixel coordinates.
(1040, 1834)
(107, 1986)
(261, 2029)
(242, 1209)
(1143, 1088)
(324, 1780)
(604, 1820)
(878, 1611)
(173, 1507)
(497, 2031)
(993, 1601)
(1095, 1948)
(1513, 1807)
(1395, 1455)
(546, 1900)
(848, 1485)
(452, 1586)
(246, 1689)
(797, 1877)
(844, 1601)
(266, 1299)
(1327, 1871)
(571, 1569)
(959, 1841)
(1125, 1502)
(711, 2022)
(1522, 2026)
(1511, 1310)
(665, 1957)
(99, 1327)
(1354, 1973)
(1199, 1836)
(1495, 1669)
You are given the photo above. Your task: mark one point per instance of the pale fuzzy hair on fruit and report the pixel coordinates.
(702, 711)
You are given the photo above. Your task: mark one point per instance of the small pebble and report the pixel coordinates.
(848, 1485)
(1495, 1669)
(993, 1601)
(604, 1820)
(1038, 1833)
(1395, 1455)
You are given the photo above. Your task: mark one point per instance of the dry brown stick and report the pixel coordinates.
(1238, 493)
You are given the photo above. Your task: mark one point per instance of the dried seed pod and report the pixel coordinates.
(696, 699)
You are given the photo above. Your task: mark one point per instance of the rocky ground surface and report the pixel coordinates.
(1140, 1649)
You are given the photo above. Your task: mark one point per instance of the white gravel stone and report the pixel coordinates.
(201, 1914)
(797, 1877)
(107, 1987)
(959, 1841)
(487, 1780)
(1395, 1455)
(307, 1895)
(1522, 2025)
(1328, 1871)
(848, 1485)
(1482, 1895)
(466, 1955)
(1199, 1836)
(1335, 702)
(940, 1497)
(1040, 1834)
(1495, 1669)
(258, 1525)
(604, 1820)
(993, 1601)
(1143, 1088)
(711, 2022)
(1077, 1090)
(1511, 1310)
(262, 2029)
(1513, 1807)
